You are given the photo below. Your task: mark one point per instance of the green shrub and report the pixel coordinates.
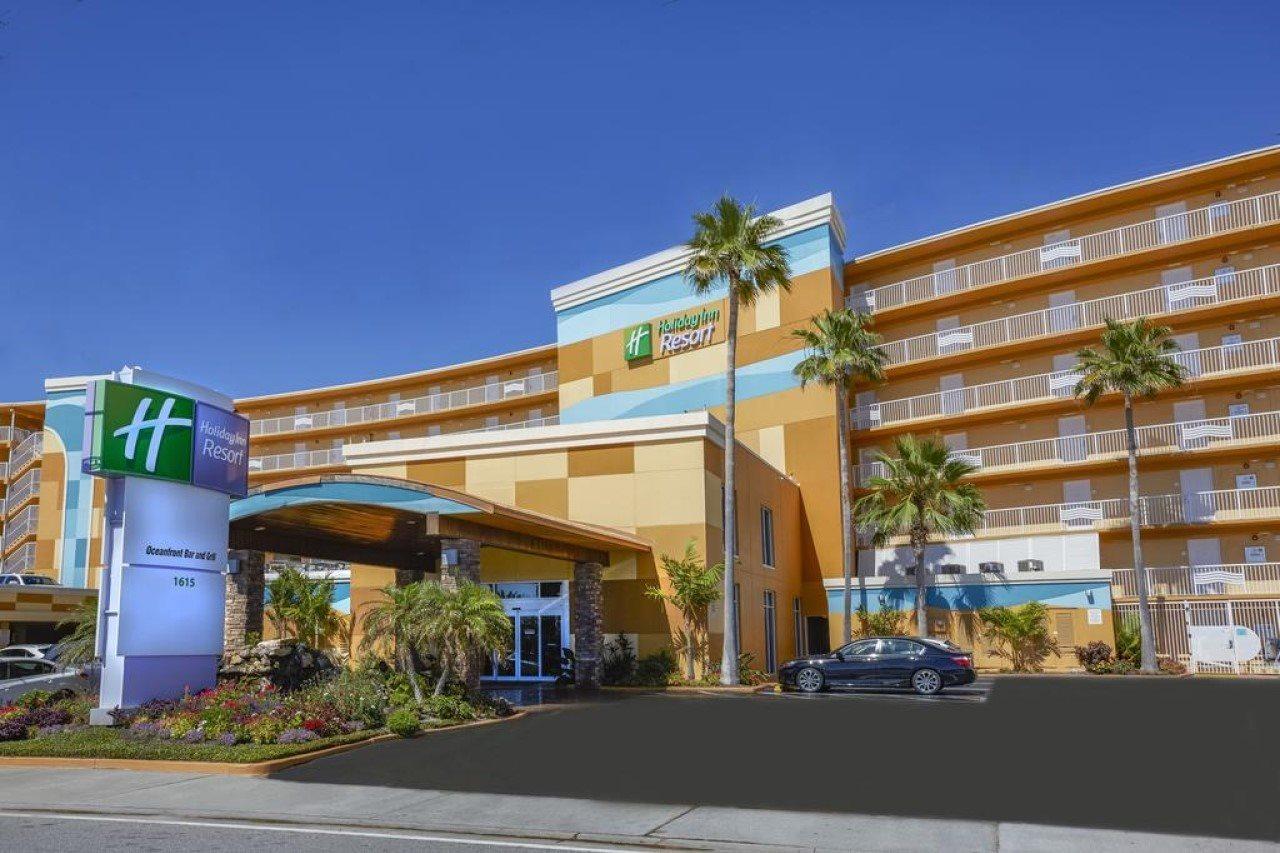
(656, 669)
(882, 623)
(404, 722)
(359, 694)
(1124, 667)
(34, 699)
(1169, 666)
(1129, 640)
(619, 666)
(266, 730)
(748, 672)
(447, 707)
(1095, 657)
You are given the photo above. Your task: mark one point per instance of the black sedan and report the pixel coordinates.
(924, 665)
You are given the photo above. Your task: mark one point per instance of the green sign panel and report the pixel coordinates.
(638, 342)
(140, 431)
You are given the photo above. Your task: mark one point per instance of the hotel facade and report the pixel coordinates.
(562, 474)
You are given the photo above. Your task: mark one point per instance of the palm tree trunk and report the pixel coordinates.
(689, 647)
(922, 615)
(444, 672)
(1135, 529)
(846, 505)
(407, 668)
(729, 655)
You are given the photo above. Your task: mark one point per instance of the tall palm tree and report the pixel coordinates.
(1136, 360)
(728, 249)
(302, 606)
(842, 349)
(463, 624)
(921, 495)
(694, 587)
(80, 646)
(398, 620)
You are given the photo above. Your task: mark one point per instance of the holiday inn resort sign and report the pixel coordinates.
(675, 334)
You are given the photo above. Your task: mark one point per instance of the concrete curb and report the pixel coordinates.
(222, 768)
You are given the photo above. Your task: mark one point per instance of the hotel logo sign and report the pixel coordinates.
(672, 335)
(135, 431)
(637, 342)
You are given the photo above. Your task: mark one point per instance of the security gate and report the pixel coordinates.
(1233, 636)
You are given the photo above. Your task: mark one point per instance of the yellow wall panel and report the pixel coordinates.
(609, 500)
(768, 311)
(546, 496)
(697, 363)
(669, 497)
(542, 466)
(772, 445)
(575, 391)
(669, 456)
(591, 461)
(490, 469)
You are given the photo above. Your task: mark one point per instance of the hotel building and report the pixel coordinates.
(562, 474)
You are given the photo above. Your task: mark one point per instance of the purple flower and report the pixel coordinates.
(13, 730)
(193, 736)
(351, 726)
(228, 739)
(296, 736)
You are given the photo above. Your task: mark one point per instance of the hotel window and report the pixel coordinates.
(770, 631)
(797, 624)
(766, 536)
(535, 415)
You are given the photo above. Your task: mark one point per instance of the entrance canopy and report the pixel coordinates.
(388, 521)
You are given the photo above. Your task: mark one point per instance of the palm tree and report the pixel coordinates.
(1136, 360)
(1021, 634)
(728, 249)
(921, 495)
(302, 606)
(398, 620)
(80, 646)
(841, 348)
(463, 624)
(694, 587)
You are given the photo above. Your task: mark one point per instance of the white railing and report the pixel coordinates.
(12, 434)
(22, 560)
(30, 448)
(4, 471)
(334, 456)
(1209, 361)
(1219, 579)
(1156, 510)
(1218, 218)
(1111, 444)
(1223, 287)
(22, 524)
(21, 489)
(492, 392)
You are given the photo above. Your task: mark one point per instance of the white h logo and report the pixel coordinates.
(157, 425)
(638, 334)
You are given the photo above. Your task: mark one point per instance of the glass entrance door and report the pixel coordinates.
(539, 631)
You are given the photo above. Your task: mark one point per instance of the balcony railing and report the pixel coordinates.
(12, 434)
(444, 401)
(21, 489)
(22, 524)
(22, 560)
(4, 471)
(1219, 579)
(30, 448)
(1220, 288)
(1219, 218)
(1060, 384)
(334, 455)
(1111, 444)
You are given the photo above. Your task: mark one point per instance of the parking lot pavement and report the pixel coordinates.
(976, 692)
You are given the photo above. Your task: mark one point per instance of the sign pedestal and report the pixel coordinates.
(174, 453)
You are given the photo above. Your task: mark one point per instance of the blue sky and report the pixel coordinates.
(267, 196)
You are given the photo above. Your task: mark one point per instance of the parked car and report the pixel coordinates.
(19, 676)
(11, 579)
(924, 665)
(27, 650)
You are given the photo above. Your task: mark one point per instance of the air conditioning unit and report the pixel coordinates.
(910, 571)
(951, 569)
(991, 568)
(1031, 565)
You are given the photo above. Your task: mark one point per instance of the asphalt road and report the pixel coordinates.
(145, 834)
(1186, 756)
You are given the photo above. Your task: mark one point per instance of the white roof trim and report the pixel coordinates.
(819, 210)
(973, 578)
(696, 425)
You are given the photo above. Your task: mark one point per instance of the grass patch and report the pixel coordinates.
(103, 742)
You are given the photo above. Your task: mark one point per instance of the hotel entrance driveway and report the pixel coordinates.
(1192, 756)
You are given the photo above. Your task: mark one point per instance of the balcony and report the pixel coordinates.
(1223, 505)
(12, 434)
(1218, 289)
(1221, 218)
(1107, 445)
(1058, 385)
(22, 560)
(334, 455)
(26, 452)
(1222, 579)
(21, 525)
(21, 490)
(393, 409)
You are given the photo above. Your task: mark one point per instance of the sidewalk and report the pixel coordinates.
(549, 818)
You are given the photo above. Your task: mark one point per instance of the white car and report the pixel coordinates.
(27, 650)
(26, 580)
(19, 676)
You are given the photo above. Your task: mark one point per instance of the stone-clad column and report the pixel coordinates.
(429, 563)
(244, 599)
(459, 564)
(588, 636)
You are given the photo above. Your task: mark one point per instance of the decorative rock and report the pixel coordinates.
(285, 663)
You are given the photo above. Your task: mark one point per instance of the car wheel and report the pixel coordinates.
(809, 680)
(926, 682)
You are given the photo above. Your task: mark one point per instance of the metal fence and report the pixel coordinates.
(1239, 636)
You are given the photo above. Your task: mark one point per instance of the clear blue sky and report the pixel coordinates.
(267, 196)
